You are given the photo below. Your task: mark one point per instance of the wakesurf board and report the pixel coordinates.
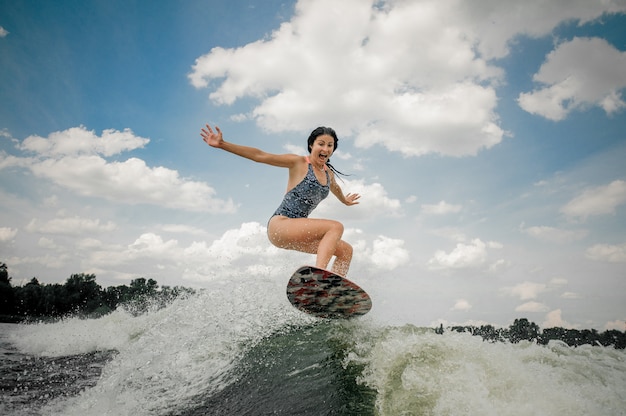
(324, 294)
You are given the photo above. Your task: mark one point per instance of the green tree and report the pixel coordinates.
(114, 295)
(54, 300)
(7, 294)
(613, 337)
(523, 330)
(142, 287)
(554, 333)
(28, 298)
(83, 293)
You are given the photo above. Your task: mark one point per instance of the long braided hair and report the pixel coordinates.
(320, 131)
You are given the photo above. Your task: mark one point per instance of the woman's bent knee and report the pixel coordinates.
(344, 250)
(337, 227)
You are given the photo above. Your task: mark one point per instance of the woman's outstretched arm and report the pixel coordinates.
(216, 139)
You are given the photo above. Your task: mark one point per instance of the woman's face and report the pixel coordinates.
(323, 148)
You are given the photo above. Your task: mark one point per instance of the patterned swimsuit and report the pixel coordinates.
(305, 196)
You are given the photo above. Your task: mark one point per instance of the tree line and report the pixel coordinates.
(80, 295)
(524, 330)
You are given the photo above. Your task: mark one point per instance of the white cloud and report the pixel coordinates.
(234, 252)
(461, 305)
(131, 182)
(497, 23)
(200, 261)
(558, 282)
(532, 307)
(607, 252)
(71, 159)
(70, 226)
(388, 253)
(51, 201)
(553, 235)
(570, 295)
(152, 246)
(441, 208)
(374, 202)
(554, 319)
(600, 200)
(403, 76)
(182, 229)
(472, 255)
(525, 290)
(47, 243)
(571, 83)
(88, 243)
(295, 149)
(3, 32)
(7, 234)
(146, 251)
(237, 252)
(499, 265)
(619, 325)
(48, 260)
(414, 77)
(80, 141)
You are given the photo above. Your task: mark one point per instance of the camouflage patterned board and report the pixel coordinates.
(324, 294)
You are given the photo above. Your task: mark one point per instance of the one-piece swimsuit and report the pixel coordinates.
(302, 199)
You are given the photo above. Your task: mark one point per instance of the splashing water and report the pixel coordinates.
(240, 348)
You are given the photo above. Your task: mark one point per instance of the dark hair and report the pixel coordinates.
(320, 131)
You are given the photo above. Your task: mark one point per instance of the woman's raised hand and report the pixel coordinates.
(351, 199)
(211, 138)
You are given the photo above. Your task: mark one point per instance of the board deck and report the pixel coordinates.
(325, 294)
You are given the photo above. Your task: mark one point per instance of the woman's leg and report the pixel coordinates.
(315, 236)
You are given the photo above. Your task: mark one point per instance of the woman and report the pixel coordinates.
(310, 180)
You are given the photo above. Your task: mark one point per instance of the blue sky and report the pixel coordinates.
(487, 139)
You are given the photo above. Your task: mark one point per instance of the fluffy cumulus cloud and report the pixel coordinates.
(7, 233)
(237, 252)
(608, 252)
(388, 253)
(555, 319)
(76, 160)
(80, 141)
(600, 200)
(569, 83)
(376, 202)
(464, 256)
(526, 290)
(390, 73)
(461, 305)
(416, 77)
(496, 23)
(232, 254)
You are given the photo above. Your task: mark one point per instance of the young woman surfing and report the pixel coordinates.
(310, 180)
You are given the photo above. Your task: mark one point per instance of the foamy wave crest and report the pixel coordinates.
(168, 356)
(416, 371)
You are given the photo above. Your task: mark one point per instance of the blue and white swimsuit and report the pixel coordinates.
(302, 199)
